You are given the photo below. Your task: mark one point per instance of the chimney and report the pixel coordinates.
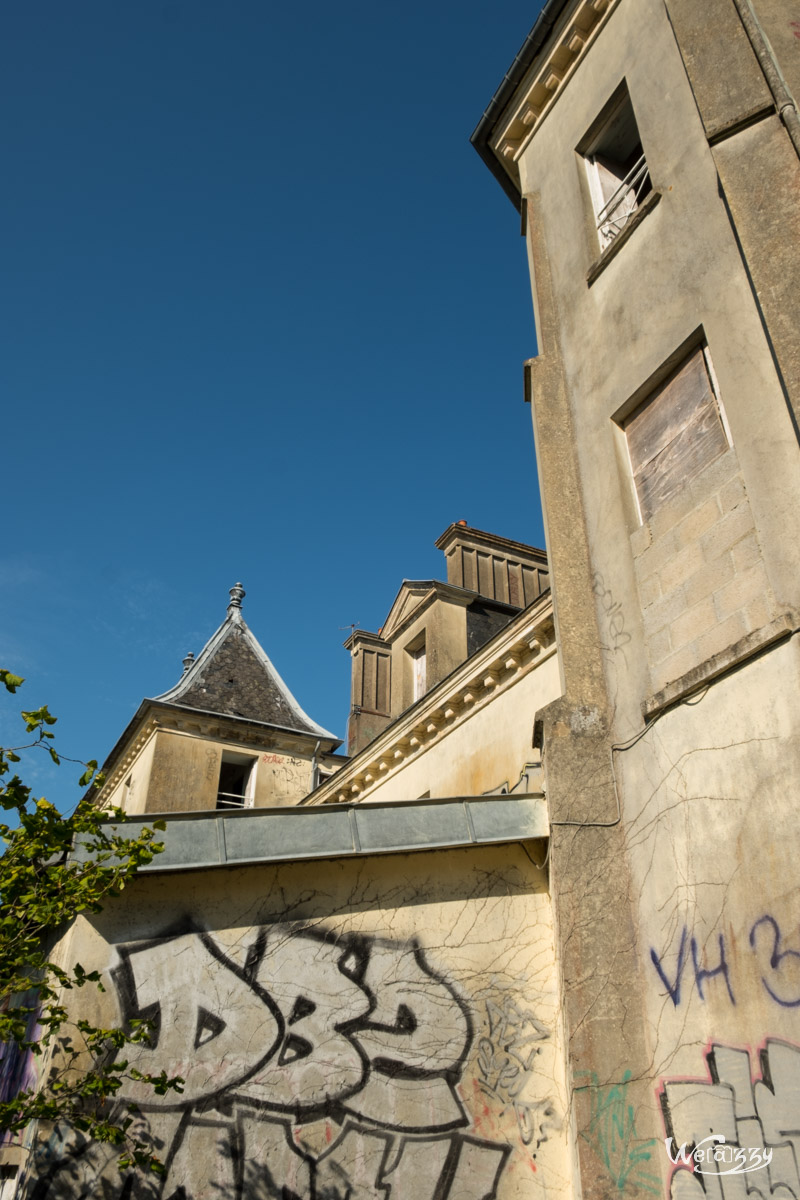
(370, 708)
(495, 567)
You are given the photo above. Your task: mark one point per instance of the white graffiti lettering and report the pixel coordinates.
(758, 1122)
(316, 1067)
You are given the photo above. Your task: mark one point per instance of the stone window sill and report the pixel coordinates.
(600, 264)
(745, 648)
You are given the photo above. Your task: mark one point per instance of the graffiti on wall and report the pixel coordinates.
(611, 1132)
(287, 772)
(612, 612)
(316, 1067)
(757, 1114)
(507, 1053)
(18, 1070)
(773, 960)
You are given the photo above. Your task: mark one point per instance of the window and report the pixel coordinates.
(320, 776)
(619, 179)
(236, 780)
(675, 432)
(418, 665)
(418, 671)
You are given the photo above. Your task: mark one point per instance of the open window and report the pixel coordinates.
(616, 167)
(236, 780)
(676, 431)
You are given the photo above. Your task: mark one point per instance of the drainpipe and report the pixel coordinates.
(315, 766)
(784, 101)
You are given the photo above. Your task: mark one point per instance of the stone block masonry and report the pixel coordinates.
(701, 577)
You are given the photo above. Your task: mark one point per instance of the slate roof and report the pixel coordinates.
(233, 675)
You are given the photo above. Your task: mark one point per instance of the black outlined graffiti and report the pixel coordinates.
(301, 1038)
(506, 1055)
(760, 1116)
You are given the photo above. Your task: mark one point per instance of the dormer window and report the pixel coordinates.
(236, 781)
(616, 167)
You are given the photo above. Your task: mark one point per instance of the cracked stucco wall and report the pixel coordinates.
(341, 1027)
(713, 847)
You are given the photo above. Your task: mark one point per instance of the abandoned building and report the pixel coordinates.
(537, 933)
(651, 147)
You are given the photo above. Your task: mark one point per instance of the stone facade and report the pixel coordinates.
(652, 148)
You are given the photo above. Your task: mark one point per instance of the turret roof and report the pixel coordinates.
(232, 675)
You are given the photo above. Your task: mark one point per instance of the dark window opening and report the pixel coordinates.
(619, 178)
(234, 782)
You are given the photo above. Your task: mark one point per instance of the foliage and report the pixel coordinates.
(44, 885)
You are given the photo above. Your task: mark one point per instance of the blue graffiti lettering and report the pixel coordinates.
(777, 956)
(701, 973)
(674, 989)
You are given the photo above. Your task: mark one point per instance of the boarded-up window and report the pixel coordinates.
(676, 432)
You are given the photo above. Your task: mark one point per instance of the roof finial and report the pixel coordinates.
(237, 596)
(188, 662)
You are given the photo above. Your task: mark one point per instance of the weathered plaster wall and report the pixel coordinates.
(614, 880)
(680, 269)
(342, 1028)
(713, 846)
(179, 772)
(184, 774)
(281, 779)
(133, 796)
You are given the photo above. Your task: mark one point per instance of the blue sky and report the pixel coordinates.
(264, 316)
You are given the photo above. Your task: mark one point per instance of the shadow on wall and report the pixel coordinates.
(317, 1067)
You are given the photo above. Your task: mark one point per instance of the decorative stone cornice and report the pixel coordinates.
(545, 81)
(125, 762)
(526, 642)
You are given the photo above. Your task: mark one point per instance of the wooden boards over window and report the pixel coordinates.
(676, 432)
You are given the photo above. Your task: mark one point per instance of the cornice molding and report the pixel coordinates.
(125, 763)
(546, 80)
(527, 642)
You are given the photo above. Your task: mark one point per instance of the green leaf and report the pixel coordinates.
(11, 682)
(42, 889)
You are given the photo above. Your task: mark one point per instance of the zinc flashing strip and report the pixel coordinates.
(201, 840)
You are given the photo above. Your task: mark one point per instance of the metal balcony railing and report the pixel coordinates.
(613, 218)
(230, 800)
